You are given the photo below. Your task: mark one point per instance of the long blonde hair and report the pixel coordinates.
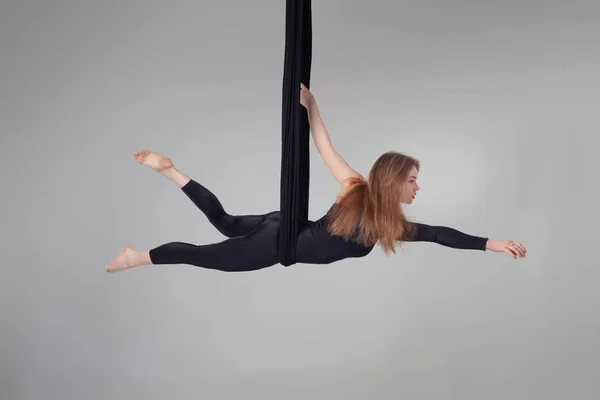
(370, 211)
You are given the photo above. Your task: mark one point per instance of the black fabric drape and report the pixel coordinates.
(295, 169)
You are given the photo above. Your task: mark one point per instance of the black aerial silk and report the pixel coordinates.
(295, 136)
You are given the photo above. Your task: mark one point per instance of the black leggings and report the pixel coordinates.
(252, 242)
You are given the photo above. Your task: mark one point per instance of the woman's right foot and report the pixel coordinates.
(153, 160)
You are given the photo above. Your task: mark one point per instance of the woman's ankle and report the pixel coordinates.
(140, 258)
(173, 174)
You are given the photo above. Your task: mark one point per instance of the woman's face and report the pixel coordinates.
(410, 187)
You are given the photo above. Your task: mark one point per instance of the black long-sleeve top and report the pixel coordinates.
(317, 246)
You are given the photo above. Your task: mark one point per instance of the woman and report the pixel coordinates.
(365, 213)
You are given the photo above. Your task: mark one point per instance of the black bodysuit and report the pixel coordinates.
(253, 239)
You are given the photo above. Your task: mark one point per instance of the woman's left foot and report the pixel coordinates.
(122, 261)
(153, 160)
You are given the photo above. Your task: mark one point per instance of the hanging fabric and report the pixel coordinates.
(295, 171)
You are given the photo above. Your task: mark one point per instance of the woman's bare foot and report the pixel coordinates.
(163, 165)
(123, 261)
(153, 160)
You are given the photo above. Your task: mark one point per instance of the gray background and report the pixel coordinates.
(498, 100)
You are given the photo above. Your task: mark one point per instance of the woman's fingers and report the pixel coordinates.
(519, 247)
(516, 250)
(510, 251)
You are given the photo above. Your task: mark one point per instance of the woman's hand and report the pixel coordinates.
(509, 247)
(306, 97)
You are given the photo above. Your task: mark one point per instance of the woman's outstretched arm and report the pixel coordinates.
(454, 238)
(336, 164)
